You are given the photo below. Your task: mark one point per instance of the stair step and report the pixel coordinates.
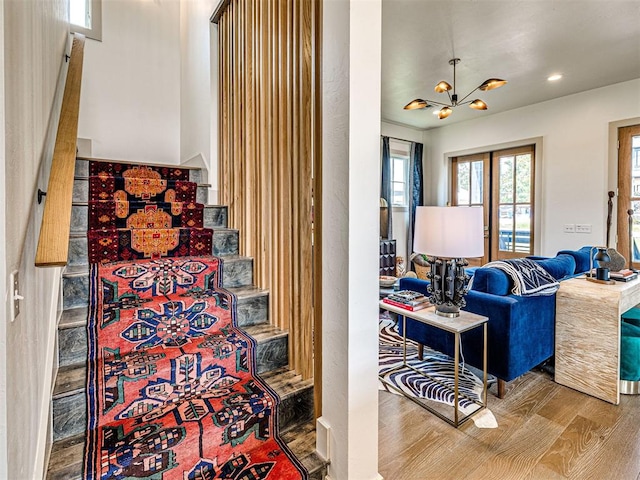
(225, 243)
(253, 305)
(70, 404)
(302, 442)
(67, 455)
(71, 379)
(66, 458)
(295, 394)
(237, 272)
(81, 191)
(215, 216)
(272, 346)
(252, 309)
(82, 167)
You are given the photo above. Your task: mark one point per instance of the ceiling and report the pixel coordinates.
(592, 43)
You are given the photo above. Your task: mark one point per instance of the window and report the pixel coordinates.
(503, 183)
(400, 152)
(514, 200)
(85, 17)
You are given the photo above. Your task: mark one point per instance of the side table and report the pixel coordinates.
(588, 335)
(466, 321)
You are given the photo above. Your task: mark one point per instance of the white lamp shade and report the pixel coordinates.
(450, 232)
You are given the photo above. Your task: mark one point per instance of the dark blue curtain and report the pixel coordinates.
(385, 186)
(415, 193)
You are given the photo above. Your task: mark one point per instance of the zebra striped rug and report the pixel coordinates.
(436, 365)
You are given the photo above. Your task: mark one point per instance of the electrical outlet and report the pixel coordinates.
(569, 228)
(583, 228)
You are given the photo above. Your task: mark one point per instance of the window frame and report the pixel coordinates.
(400, 150)
(95, 32)
(626, 195)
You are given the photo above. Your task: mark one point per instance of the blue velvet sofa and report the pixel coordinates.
(521, 330)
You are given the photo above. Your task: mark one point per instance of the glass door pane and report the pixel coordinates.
(470, 187)
(513, 197)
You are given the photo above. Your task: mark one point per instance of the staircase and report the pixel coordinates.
(69, 401)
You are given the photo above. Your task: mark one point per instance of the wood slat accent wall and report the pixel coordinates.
(269, 157)
(53, 242)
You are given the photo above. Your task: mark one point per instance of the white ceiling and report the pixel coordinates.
(592, 43)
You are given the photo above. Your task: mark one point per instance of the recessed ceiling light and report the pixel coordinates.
(555, 77)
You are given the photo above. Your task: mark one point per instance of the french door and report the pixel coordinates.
(470, 177)
(628, 218)
(503, 183)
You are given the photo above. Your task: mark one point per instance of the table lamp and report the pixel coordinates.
(448, 235)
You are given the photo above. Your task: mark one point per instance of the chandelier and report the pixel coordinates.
(442, 87)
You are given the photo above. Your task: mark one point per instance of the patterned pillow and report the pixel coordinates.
(529, 278)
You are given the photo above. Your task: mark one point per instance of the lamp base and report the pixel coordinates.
(448, 285)
(449, 311)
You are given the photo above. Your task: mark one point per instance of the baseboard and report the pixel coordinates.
(43, 445)
(323, 439)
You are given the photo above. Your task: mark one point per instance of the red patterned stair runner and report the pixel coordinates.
(172, 386)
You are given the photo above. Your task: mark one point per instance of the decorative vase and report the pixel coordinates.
(400, 267)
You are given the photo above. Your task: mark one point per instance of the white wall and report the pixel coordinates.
(3, 270)
(574, 160)
(351, 138)
(34, 35)
(195, 80)
(131, 92)
(401, 215)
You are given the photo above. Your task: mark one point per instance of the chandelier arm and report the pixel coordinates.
(439, 103)
(467, 96)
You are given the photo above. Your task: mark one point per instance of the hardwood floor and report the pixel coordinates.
(545, 431)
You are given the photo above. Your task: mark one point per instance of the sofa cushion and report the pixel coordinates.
(582, 258)
(491, 280)
(561, 266)
(630, 352)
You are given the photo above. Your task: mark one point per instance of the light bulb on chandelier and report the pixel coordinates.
(444, 87)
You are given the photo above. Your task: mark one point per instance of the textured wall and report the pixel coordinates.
(35, 35)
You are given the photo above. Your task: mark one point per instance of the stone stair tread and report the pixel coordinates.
(215, 230)
(264, 332)
(80, 270)
(286, 382)
(137, 162)
(71, 379)
(249, 291)
(77, 317)
(85, 178)
(67, 455)
(76, 270)
(73, 317)
(65, 461)
(302, 442)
